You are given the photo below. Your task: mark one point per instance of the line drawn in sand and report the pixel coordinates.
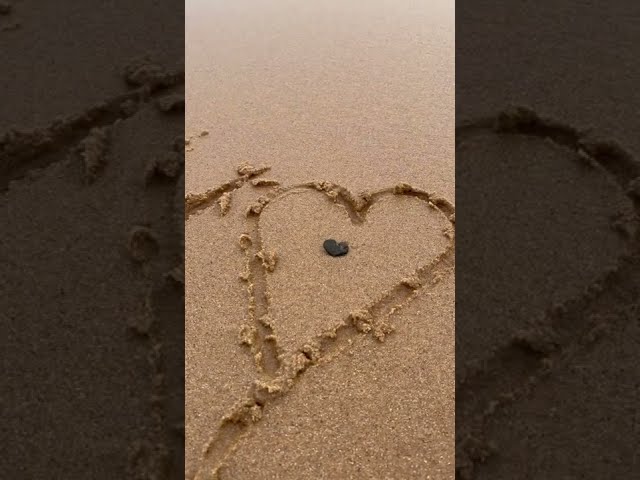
(24, 150)
(279, 371)
(513, 370)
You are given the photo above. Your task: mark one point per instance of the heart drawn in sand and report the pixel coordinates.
(304, 303)
(309, 292)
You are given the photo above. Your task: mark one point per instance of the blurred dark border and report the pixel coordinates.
(548, 253)
(92, 240)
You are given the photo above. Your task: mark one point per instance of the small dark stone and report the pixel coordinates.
(334, 248)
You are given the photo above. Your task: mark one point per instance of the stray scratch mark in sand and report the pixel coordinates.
(195, 202)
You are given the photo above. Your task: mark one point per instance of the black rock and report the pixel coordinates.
(334, 248)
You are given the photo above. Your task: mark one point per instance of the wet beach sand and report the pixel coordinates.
(306, 122)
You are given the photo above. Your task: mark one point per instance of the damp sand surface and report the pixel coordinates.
(321, 91)
(344, 113)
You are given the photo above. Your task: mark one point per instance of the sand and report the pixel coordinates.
(90, 302)
(323, 121)
(548, 253)
(551, 285)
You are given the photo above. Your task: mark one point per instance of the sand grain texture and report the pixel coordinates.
(311, 291)
(287, 331)
(322, 91)
(343, 101)
(341, 420)
(216, 307)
